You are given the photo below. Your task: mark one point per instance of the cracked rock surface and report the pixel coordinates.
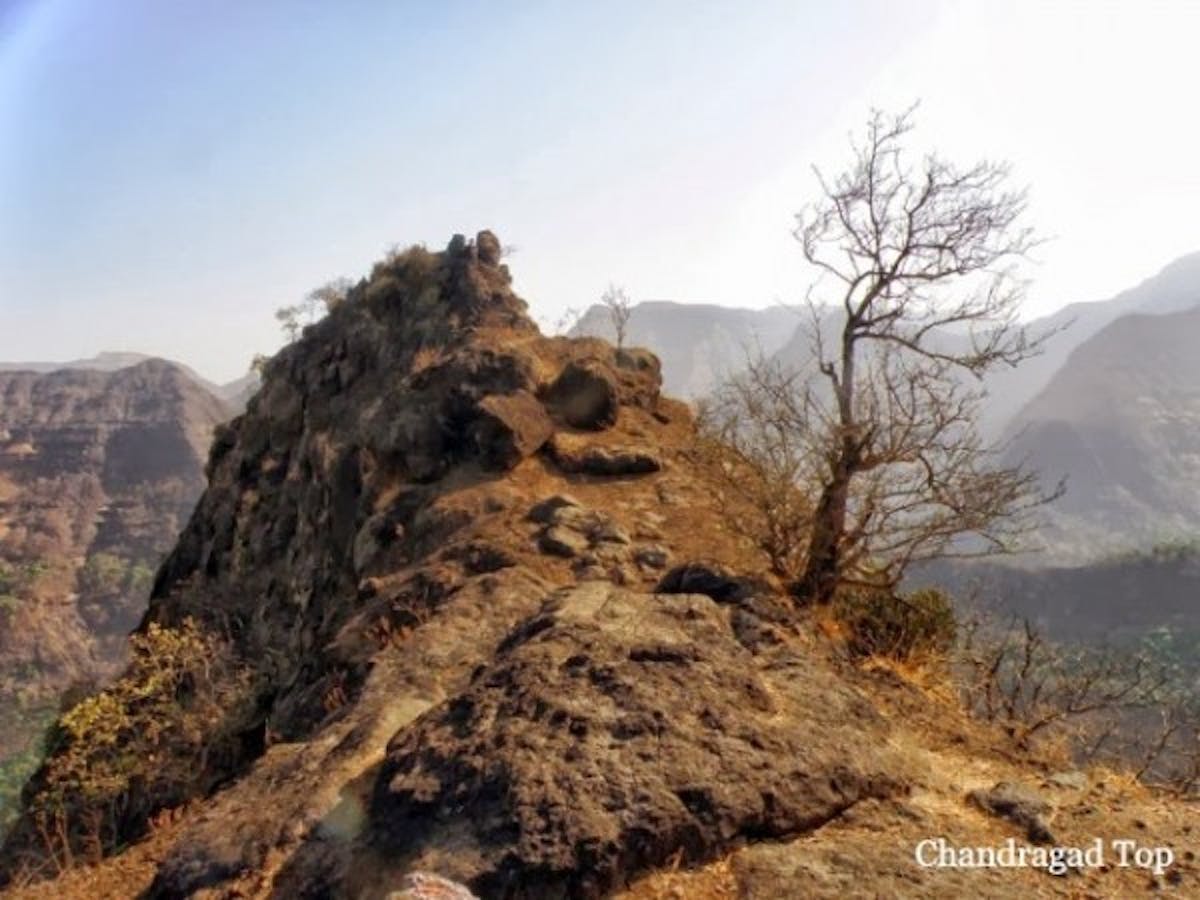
(608, 732)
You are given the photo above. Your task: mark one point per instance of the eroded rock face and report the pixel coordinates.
(608, 732)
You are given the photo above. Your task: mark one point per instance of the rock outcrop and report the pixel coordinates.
(610, 732)
(384, 540)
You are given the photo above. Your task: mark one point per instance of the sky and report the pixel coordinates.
(171, 173)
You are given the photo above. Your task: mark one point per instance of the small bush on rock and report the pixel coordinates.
(883, 623)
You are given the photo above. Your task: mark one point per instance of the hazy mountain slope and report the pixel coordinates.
(1121, 419)
(698, 343)
(1175, 288)
(98, 473)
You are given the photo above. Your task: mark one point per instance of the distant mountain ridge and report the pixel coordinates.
(235, 393)
(1121, 419)
(699, 344)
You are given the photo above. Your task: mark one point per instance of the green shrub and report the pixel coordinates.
(24, 725)
(103, 573)
(883, 623)
(17, 582)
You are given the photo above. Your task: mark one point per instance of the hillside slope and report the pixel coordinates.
(1121, 420)
(471, 607)
(98, 473)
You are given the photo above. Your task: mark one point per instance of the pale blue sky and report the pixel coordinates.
(170, 173)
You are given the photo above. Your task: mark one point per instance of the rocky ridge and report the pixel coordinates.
(493, 630)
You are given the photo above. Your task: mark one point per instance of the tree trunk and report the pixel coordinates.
(823, 566)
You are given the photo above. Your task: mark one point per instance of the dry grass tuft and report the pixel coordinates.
(714, 881)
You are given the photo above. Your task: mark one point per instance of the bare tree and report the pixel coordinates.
(749, 434)
(288, 318)
(916, 300)
(327, 297)
(316, 303)
(620, 308)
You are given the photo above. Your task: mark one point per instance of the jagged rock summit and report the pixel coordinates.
(479, 619)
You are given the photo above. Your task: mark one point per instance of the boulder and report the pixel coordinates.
(712, 580)
(558, 540)
(1019, 804)
(639, 359)
(510, 427)
(488, 248)
(545, 511)
(639, 376)
(585, 395)
(592, 459)
(609, 733)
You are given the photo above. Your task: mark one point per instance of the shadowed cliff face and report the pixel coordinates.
(98, 473)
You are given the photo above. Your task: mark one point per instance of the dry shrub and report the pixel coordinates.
(742, 442)
(881, 623)
(1121, 708)
(141, 745)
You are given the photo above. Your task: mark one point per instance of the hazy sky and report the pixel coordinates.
(170, 173)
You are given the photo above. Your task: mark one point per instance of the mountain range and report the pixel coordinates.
(1112, 404)
(700, 344)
